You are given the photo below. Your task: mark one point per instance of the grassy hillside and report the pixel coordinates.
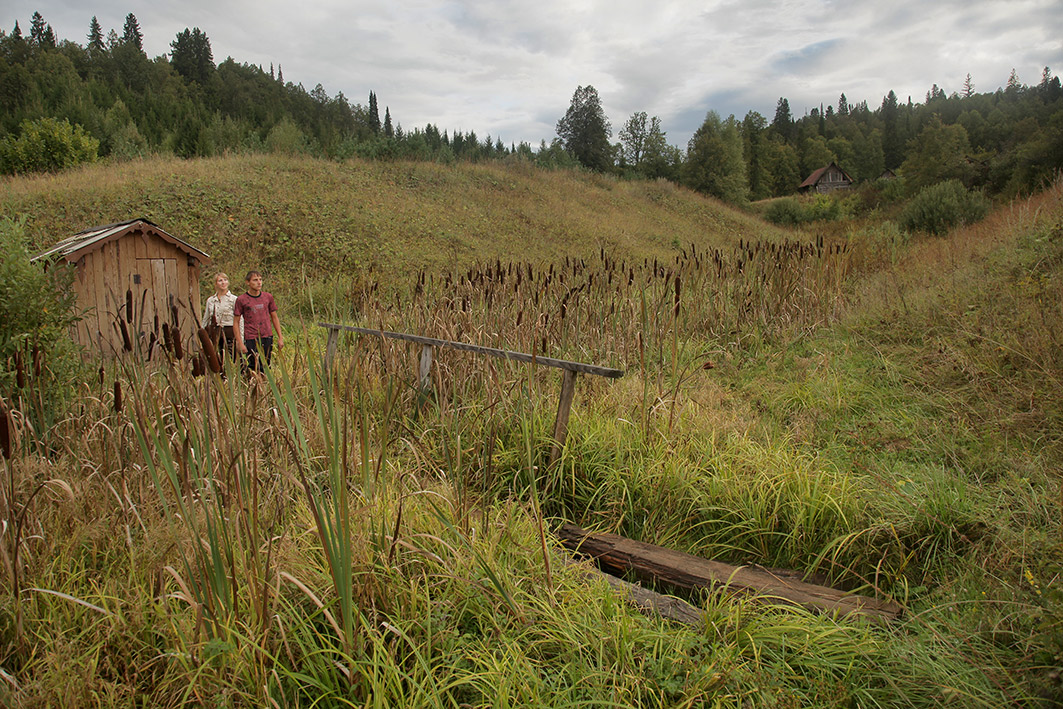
(283, 214)
(885, 415)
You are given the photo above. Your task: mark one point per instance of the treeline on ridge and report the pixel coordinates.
(107, 98)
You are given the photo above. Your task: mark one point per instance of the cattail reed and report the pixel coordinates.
(117, 396)
(207, 343)
(38, 361)
(129, 306)
(675, 299)
(178, 346)
(6, 430)
(167, 342)
(20, 370)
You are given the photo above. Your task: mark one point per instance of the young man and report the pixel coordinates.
(257, 311)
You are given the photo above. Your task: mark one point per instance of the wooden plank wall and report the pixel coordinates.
(106, 274)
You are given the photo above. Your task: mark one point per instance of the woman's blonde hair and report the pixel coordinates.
(219, 274)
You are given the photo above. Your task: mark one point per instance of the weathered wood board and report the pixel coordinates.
(649, 563)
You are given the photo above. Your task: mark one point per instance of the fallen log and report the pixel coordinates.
(620, 556)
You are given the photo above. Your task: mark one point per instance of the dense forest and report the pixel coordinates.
(65, 102)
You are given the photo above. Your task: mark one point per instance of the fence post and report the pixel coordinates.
(564, 407)
(426, 368)
(330, 350)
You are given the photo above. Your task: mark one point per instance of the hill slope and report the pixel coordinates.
(282, 214)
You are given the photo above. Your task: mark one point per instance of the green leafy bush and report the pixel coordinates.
(39, 361)
(940, 207)
(785, 211)
(288, 139)
(46, 144)
(36, 304)
(792, 210)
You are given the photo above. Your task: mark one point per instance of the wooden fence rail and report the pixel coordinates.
(568, 381)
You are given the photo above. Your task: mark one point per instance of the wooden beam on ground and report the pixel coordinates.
(649, 563)
(646, 601)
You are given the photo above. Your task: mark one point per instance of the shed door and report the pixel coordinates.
(154, 284)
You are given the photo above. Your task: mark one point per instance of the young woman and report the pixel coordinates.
(218, 317)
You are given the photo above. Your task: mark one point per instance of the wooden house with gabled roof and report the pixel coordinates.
(827, 179)
(133, 271)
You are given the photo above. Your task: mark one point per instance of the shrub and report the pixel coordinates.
(287, 138)
(940, 207)
(46, 144)
(784, 211)
(36, 311)
(792, 211)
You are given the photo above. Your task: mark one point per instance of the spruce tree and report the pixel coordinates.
(389, 132)
(892, 141)
(131, 32)
(37, 26)
(374, 113)
(968, 87)
(843, 106)
(17, 32)
(191, 55)
(783, 123)
(95, 36)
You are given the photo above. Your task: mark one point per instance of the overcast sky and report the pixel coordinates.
(508, 68)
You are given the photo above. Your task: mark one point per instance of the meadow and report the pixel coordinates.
(878, 410)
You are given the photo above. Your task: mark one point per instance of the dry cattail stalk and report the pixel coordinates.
(127, 344)
(6, 431)
(129, 306)
(678, 290)
(207, 343)
(117, 396)
(178, 346)
(20, 371)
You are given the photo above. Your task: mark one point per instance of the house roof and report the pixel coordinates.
(73, 247)
(815, 177)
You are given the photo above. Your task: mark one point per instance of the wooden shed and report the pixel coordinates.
(136, 264)
(827, 179)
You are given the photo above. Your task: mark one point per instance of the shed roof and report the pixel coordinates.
(814, 178)
(74, 246)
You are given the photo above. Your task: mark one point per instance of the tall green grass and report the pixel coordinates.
(345, 538)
